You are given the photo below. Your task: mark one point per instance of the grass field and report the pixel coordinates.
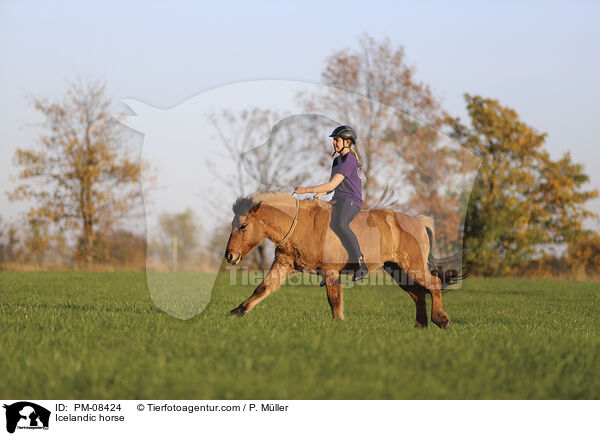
(68, 335)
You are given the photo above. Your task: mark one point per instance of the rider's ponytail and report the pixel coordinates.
(356, 156)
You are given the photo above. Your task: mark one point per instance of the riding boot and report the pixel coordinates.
(362, 269)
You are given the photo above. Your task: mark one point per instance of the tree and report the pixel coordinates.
(284, 160)
(80, 174)
(216, 245)
(3, 242)
(382, 97)
(237, 133)
(583, 254)
(10, 249)
(125, 248)
(260, 148)
(180, 241)
(523, 203)
(37, 241)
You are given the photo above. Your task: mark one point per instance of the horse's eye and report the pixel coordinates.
(242, 227)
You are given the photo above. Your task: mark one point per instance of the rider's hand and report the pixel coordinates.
(318, 196)
(300, 190)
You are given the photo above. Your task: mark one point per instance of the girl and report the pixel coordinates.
(347, 199)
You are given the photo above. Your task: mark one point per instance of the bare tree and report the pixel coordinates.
(239, 132)
(37, 241)
(293, 154)
(10, 243)
(3, 242)
(180, 238)
(215, 246)
(80, 174)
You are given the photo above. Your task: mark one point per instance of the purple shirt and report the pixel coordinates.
(351, 187)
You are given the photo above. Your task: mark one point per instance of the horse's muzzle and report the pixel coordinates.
(233, 260)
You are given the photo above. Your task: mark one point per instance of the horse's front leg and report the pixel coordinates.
(276, 275)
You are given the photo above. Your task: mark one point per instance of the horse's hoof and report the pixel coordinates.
(238, 311)
(443, 324)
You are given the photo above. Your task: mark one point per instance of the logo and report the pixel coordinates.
(26, 415)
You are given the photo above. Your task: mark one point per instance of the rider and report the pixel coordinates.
(347, 199)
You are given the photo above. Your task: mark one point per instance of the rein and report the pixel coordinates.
(291, 230)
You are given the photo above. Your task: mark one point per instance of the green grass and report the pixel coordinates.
(74, 335)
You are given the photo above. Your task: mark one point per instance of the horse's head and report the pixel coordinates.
(247, 231)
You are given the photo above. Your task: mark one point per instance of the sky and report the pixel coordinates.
(537, 57)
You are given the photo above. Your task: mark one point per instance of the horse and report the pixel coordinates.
(398, 242)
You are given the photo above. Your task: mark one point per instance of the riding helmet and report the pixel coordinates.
(344, 132)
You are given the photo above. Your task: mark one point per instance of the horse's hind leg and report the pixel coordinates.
(416, 292)
(418, 295)
(438, 314)
(335, 295)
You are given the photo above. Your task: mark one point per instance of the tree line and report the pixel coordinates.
(524, 213)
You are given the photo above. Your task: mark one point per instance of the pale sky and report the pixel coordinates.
(538, 57)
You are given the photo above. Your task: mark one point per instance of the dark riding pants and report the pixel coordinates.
(342, 213)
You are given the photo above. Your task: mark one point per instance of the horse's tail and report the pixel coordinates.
(449, 269)
(429, 224)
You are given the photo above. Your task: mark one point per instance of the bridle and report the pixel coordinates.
(291, 230)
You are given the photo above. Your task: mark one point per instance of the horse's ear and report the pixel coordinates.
(255, 207)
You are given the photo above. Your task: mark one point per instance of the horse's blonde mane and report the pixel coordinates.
(274, 198)
(244, 204)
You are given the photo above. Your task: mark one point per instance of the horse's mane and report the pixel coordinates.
(244, 203)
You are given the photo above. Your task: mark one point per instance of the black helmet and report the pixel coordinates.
(344, 132)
